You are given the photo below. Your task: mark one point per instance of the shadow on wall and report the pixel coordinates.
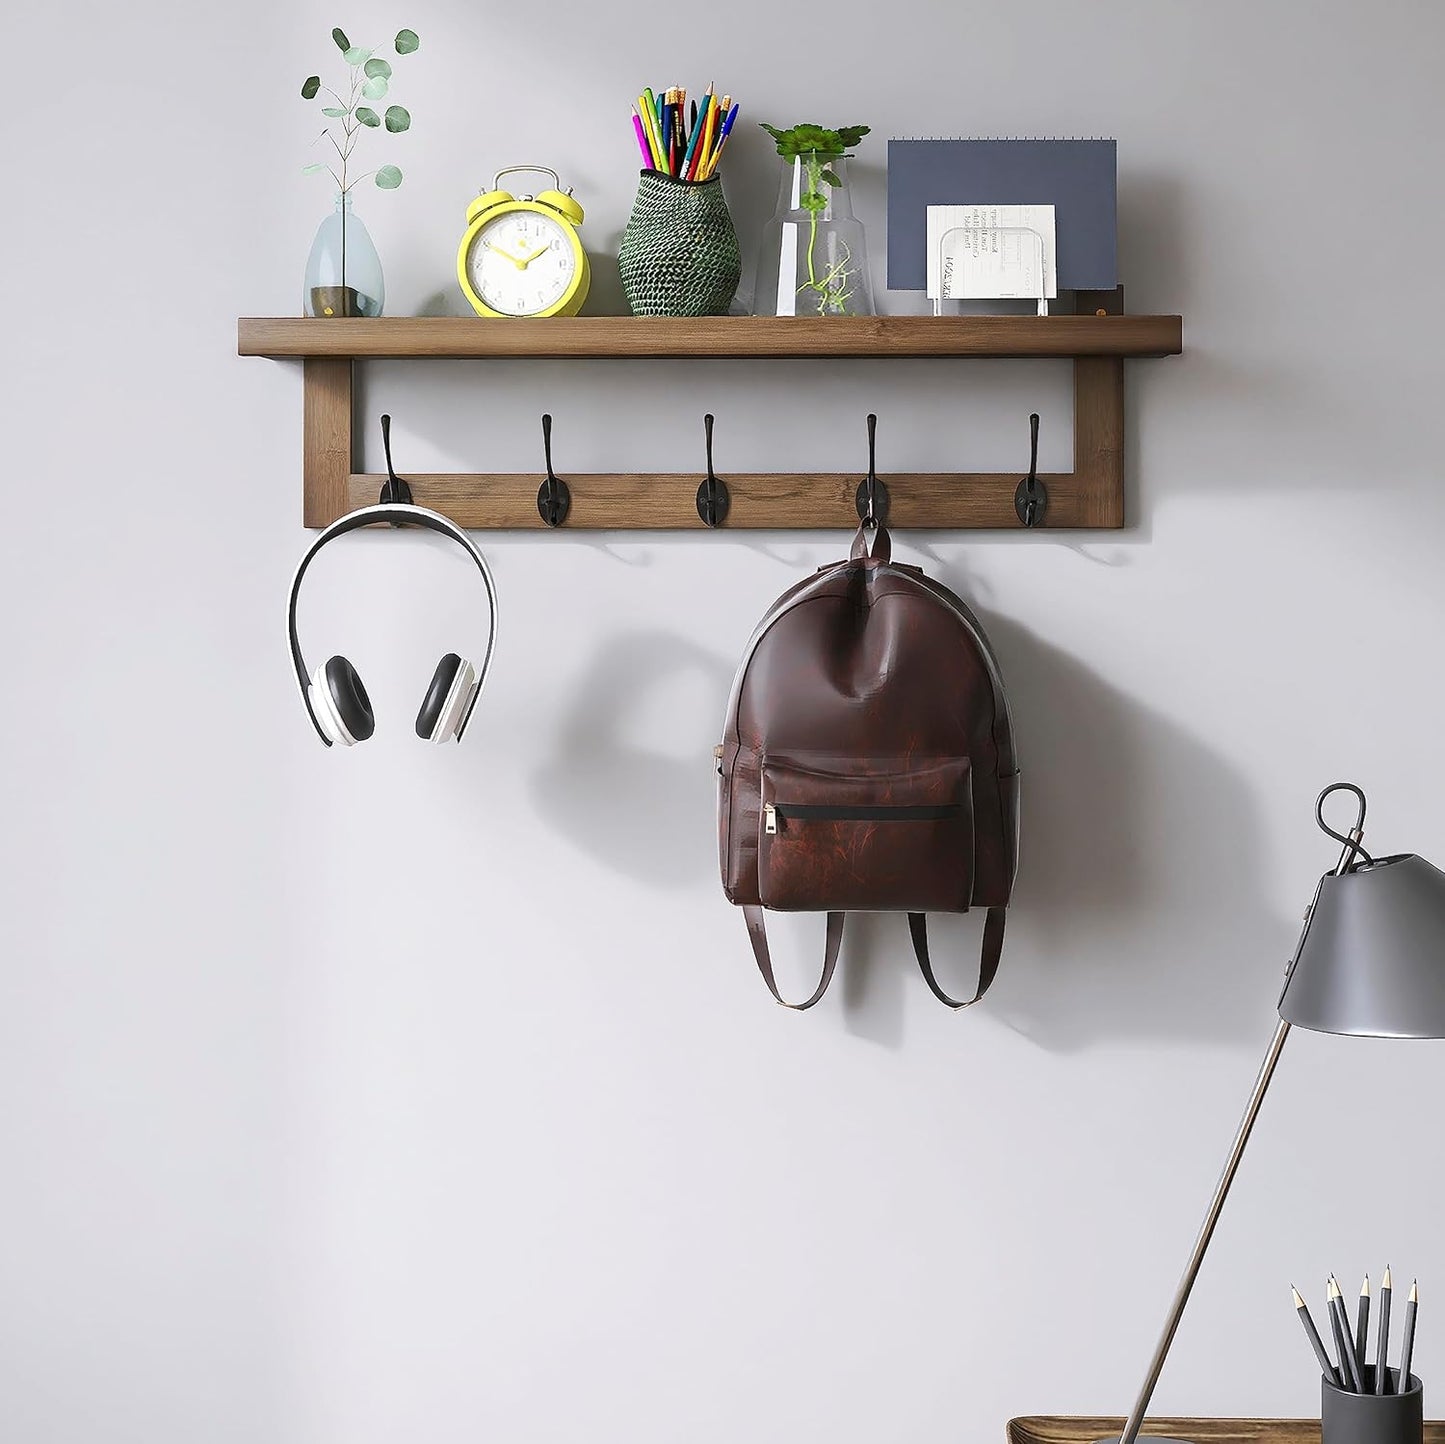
(1137, 913)
(642, 812)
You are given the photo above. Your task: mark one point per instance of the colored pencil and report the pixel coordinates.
(692, 143)
(679, 137)
(644, 105)
(715, 119)
(657, 147)
(706, 119)
(642, 144)
(1313, 1334)
(723, 133)
(697, 147)
(1382, 1348)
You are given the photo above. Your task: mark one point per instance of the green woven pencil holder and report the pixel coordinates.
(679, 253)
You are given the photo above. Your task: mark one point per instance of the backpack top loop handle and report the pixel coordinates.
(882, 549)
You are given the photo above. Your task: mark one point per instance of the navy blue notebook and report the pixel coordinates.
(1079, 178)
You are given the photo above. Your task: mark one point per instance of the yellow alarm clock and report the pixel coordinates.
(521, 255)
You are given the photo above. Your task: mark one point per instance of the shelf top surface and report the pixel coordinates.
(710, 336)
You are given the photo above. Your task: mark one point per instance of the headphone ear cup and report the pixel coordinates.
(434, 706)
(340, 700)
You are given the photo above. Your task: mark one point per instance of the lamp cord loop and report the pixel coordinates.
(1352, 839)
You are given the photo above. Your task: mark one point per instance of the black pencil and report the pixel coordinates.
(1341, 1348)
(1348, 1364)
(1407, 1349)
(1313, 1334)
(1362, 1322)
(1382, 1350)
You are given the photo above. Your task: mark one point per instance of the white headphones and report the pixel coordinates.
(335, 698)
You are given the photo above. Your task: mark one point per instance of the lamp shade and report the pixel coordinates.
(1372, 959)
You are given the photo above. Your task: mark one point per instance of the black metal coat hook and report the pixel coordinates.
(554, 496)
(712, 494)
(394, 491)
(872, 498)
(1031, 497)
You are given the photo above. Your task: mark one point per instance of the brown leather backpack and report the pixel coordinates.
(867, 762)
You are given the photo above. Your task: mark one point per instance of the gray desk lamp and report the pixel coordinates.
(1370, 964)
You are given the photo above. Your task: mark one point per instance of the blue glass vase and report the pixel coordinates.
(343, 271)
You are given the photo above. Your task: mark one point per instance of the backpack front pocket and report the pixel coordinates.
(880, 835)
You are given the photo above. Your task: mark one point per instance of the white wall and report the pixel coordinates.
(419, 1094)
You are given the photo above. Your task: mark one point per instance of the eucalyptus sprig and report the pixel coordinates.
(369, 82)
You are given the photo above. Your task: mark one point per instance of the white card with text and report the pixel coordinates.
(985, 252)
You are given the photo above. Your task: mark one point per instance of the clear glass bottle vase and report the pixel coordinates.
(814, 260)
(343, 271)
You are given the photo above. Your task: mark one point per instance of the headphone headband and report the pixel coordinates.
(398, 515)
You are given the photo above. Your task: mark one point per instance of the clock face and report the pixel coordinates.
(521, 263)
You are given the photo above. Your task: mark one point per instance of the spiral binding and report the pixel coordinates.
(995, 138)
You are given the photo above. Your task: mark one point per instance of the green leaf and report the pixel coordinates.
(310, 87)
(342, 43)
(356, 55)
(315, 166)
(335, 111)
(398, 119)
(378, 67)
(367, 116)
(815, 140)
(375, 88)
(406, 42)
(388, 178)
(831, 177)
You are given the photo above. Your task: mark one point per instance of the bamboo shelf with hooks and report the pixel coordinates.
(1091, 496)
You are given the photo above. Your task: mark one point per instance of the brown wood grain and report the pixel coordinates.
(1080, 1430)
(1091, 496)
(326, 440)
(760, 500)
(1098, 441)
(712, 336)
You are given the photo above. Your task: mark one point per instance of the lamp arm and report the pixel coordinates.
(1206, 1232)
(1236, 1152)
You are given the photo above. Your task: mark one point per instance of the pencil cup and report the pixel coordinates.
(1368, 1418)
(679, 253)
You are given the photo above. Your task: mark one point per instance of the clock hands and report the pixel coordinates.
(520, 262)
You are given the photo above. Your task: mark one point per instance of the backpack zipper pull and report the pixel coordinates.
(770, 819)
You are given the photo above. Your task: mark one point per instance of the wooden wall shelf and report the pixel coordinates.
(1090, 496)
(756, 337)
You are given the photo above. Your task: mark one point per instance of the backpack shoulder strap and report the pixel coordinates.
(758, 935)
(988, 962)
